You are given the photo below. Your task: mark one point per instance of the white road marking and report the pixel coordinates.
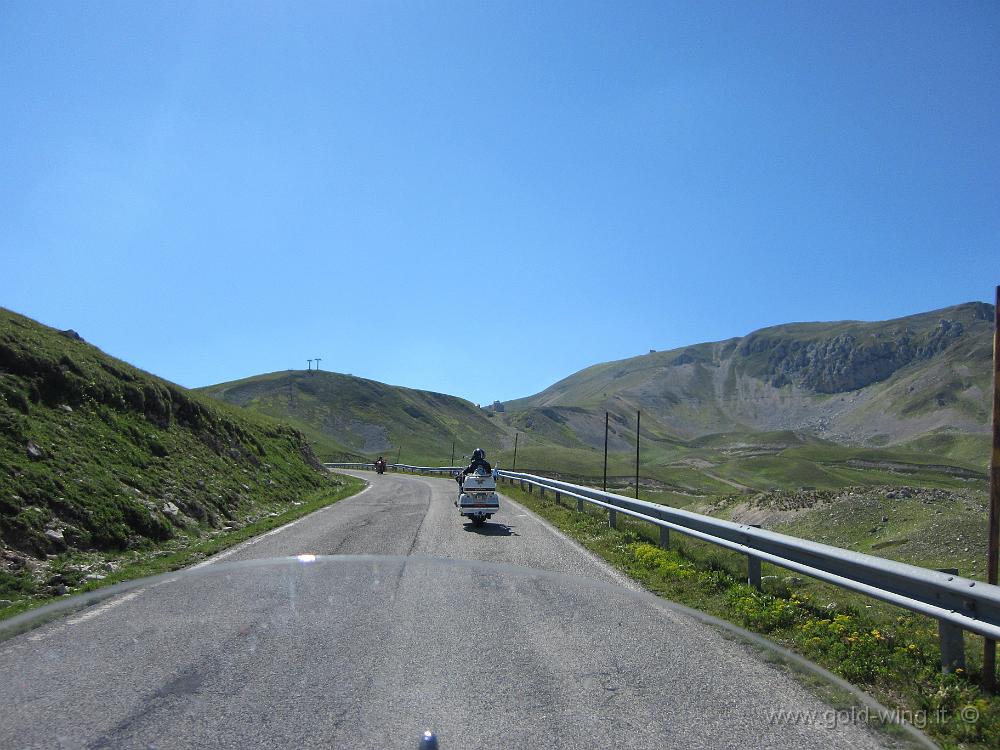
(104, 607)
(59, 627)
(92, 613)
(46, 633)
(254, 540)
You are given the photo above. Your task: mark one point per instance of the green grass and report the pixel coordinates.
(181, 551)
(966, 450)
(891, 653)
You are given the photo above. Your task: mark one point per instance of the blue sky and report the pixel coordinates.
(481, 198)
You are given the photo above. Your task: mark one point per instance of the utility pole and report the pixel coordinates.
(606, 418)
(399, 452)
(310, 365)
(638, 417)
(514, 467)
(452, 453)
(318, 360)
(993, 543)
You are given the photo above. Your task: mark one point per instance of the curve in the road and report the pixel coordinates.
(368, 651)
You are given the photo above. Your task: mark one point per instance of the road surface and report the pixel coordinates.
(367, 652)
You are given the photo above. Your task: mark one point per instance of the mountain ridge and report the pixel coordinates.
(796, 372)
(349, 416)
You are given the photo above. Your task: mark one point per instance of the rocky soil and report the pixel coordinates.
(923, 525)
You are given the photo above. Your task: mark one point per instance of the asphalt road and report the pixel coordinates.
(367, 652)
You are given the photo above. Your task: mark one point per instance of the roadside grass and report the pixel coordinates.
(187, 548)
(891, 653)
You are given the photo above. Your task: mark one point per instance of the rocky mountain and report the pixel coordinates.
(874, 383)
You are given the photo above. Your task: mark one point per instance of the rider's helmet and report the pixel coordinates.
(478, 454)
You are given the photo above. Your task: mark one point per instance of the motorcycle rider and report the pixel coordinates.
(478, 462)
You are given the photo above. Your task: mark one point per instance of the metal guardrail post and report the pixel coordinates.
(951, 638)
(664, 537)
(558, 498)
(579, 505)
(753, 566)
(612, 518)
(541, 492)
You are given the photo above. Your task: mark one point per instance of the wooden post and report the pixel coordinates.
(514, 468)
(664, 537)
(638, 417)
(993, 548)
(606, 418)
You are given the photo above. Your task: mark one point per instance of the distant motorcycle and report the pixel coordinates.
(380, 466)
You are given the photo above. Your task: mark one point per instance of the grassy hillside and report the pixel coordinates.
(349, 416)
(679, 473)
(99, 457)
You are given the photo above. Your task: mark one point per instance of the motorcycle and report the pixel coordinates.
(380, 466)
(477, 496)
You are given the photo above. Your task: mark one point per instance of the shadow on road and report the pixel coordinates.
(490, 529)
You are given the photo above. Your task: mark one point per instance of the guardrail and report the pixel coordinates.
(370, 466)
(957, 603)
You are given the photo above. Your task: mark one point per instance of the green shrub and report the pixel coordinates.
(16, 585)
(761, 611)
(713, 581)
(862, 654)
(666, 564)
